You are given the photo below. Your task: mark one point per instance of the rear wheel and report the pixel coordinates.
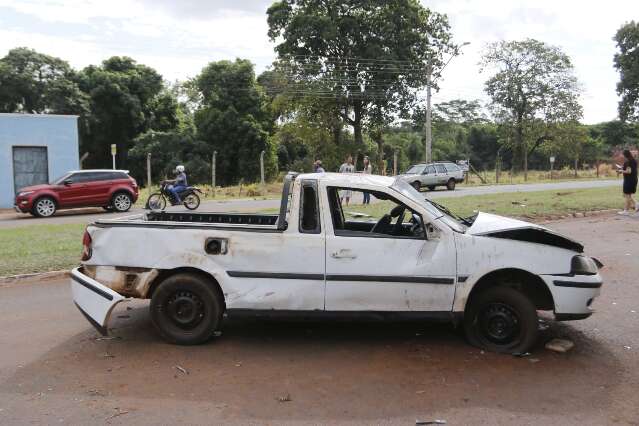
(44, 207)
(501, 319)
(156, 201)
(186, 309)
(416, 185)
(121, 202)
(450, 185)
(192, 201)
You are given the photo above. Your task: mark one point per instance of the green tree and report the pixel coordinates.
(234, 120)
(365, 58)
(627, 63)
(532, 88)
(126, 100)
(33, 82)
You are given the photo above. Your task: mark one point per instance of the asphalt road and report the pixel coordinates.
(55, 370)
(12, 219)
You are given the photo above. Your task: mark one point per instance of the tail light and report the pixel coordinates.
(86, 246)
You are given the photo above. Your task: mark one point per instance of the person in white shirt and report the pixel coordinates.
(347, 167)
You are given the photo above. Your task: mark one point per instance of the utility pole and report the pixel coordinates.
(262, 169)
(395, 163)
(213, 172)
(428, 129)
(148, 170)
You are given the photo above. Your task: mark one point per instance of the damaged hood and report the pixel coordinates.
(491, 225)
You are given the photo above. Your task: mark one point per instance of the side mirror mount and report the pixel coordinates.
(67, 182)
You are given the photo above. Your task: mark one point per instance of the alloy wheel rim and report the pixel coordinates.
(122, 202)
(45, 207)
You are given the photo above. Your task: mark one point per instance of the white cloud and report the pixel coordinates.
(179, 37)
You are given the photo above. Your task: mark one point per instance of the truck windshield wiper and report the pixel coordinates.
(445, 210)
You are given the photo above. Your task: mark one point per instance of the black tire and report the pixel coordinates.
(156, 201)
(186, 309)
(450, 185)
(44, 207)
(431, 187)
(501, 319)
(416, 185)
(191, 201)
(121, 202)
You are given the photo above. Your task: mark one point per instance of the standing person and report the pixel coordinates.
(629, 172)
(368, 169)
(318, 167)
(347, 167)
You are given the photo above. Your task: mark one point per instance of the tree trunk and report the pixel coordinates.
(377, 136)
(576, 165)
(357, 124)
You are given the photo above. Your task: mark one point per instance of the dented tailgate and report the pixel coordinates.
(94, 300)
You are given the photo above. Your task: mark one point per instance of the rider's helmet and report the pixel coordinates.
(180, 169)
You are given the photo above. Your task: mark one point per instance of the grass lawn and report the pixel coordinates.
(40, 248)
(533, 205)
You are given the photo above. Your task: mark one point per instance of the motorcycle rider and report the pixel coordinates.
(179, 184)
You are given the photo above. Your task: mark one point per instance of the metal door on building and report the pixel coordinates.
(30, 166)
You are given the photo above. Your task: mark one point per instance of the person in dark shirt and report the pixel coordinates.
(179, 184)
(629, 172)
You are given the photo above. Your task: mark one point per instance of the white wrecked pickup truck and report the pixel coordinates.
(402, 256)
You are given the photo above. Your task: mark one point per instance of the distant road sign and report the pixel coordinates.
(552, 159)
(114, 149)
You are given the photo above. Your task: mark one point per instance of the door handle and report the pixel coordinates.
(343, 254)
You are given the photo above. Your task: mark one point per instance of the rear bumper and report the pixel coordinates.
(94, 300)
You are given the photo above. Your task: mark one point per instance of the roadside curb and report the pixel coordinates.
(574, 215)
(40, 276)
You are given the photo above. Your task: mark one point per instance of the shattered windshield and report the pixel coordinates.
(437, 210)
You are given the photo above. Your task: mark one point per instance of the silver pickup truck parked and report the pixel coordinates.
(410, 258)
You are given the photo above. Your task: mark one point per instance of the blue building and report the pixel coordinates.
(34, 149)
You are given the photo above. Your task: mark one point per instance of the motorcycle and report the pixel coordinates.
(158, 200)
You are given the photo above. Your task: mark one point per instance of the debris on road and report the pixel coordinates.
(96, 392)
(420, 392)
(118, 414)
(521, 354)
(560, 345)
(181, 369)
(108, 355)
(627, 347)
(430, 422)
(107, 338)
(533, 360)
(285, 398)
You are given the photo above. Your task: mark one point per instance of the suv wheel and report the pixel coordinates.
(186, 309)
(44, 207)
(416, 185)
(121, 202)
(501, 319)
(450, 185)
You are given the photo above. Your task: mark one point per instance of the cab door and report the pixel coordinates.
(371, 271)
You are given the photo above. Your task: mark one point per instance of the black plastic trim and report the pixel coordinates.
(390, 279)
(91, 287)
(276, 275)
(462, 278)
(578, 284)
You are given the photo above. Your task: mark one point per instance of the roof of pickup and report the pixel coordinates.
(349, 178)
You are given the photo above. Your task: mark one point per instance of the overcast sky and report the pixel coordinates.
(179, 37)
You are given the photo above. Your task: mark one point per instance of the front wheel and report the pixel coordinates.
(186, 309)
(501, 319)
(44, 207)
(156, 201)
(192, 201)
(450, 185)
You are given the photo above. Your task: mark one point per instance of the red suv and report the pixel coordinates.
(110, 189)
